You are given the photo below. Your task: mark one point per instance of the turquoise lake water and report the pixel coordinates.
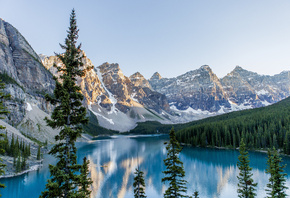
(113, 161)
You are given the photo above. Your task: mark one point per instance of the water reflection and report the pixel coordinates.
(211, 172)
(113, 162)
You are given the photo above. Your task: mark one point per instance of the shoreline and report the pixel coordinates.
(237, 148)
(32, 168)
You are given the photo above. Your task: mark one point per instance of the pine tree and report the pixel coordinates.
(84, 180)
(3, 111)
(246, 185)
(67, 116)
(2, 166)
(287, 143)
(38, 153)
(195, 194)
(23, 164)
(139, 184)
(174, 169)
(276, 185)
(18, 165)
(12, 147)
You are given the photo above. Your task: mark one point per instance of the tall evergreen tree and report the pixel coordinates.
(85, 181)
(38, 153)
(287, 143)
(2, 166)
(195, 195)
(246, 185)
(3, 111)
(174, 169)
(276, 185)
(18, 164)
(139, 184)
(67, 116)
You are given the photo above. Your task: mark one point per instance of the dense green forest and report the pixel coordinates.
(260, 128)
(16, 149)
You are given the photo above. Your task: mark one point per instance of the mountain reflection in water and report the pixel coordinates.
(113, 160)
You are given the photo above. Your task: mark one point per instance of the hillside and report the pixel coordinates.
(261, 128)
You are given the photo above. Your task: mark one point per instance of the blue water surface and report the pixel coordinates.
(213, 172)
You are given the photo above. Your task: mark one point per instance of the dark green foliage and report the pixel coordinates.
(93, 128)
(246, 185)
(150, 127)
(139, 184)
(38, 154)
(277, 181)
(174, 169)
(287, 143)
(19, 151)
(18, 164)
(3, 142)
(15, 148)
(2, 166)
(23, 163)
(68, 115)
(195, 194)
(4, 77)
(260, 128)
(85, 181)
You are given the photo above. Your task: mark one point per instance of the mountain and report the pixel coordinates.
(248, 88)
(138, 80)
(117, 101)
(201, 92)
(20, 62)
(261, 128)
(197, 89)
(27, 80)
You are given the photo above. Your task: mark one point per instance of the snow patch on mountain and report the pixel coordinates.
(28, 107)
(99, 115)
(262, 92)
(111, 97)
(243, 106)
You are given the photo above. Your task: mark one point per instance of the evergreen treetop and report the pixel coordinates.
(67, 115)
(277, 181)
(85, 181)
(246, 185)
(174, 169)
(139, 184)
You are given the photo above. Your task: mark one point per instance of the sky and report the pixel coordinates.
(171, 37)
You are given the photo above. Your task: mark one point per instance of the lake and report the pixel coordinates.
(213, 172)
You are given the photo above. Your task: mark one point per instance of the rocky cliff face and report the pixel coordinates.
(202, 92)
(198, 89)
(27, 80)
(117, 102)
(138, 80)
(248, 88)
(19, 61)
(129, 90)
(22, 71)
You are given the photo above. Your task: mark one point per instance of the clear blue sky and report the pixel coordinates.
(168, 36)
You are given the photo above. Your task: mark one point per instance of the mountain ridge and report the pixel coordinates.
(120, 102)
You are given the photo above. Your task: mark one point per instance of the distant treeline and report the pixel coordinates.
(15, 147)
(260, 128)
(18, 150)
